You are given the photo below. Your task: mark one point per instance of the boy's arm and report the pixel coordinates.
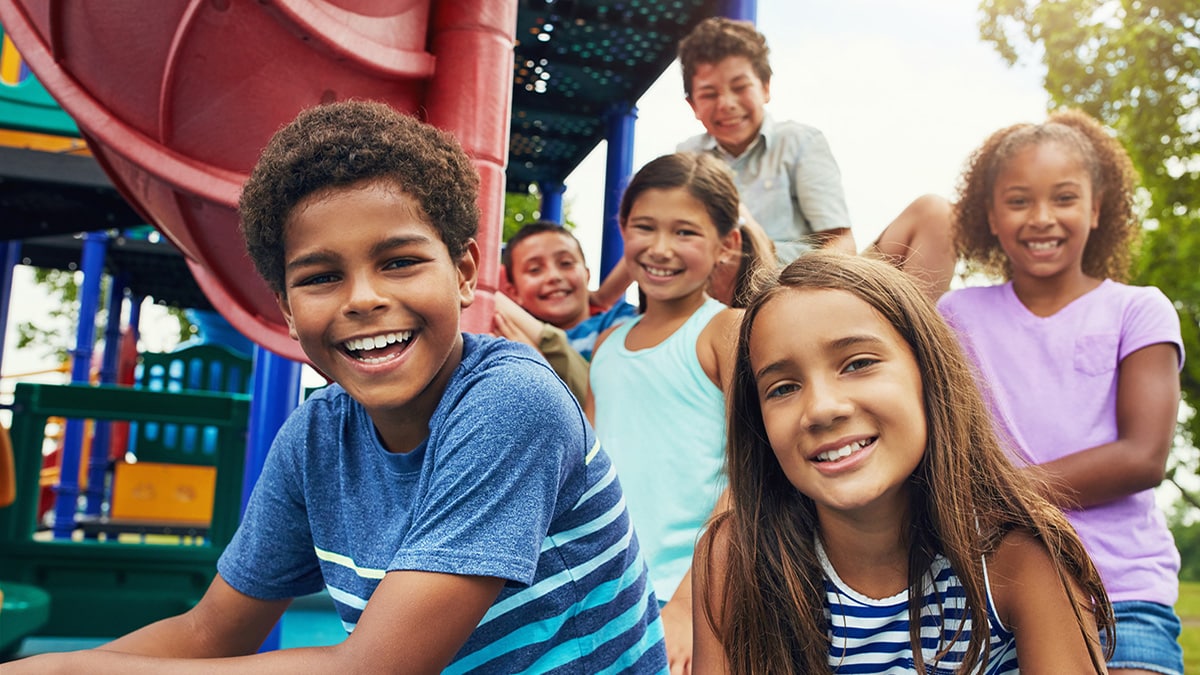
(415, 623)
(1147, 407)
(1032, 603)
(613, 287)
(514, 322)
(839, 239)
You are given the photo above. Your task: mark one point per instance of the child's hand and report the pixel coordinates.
(513, 322)
(677, 629)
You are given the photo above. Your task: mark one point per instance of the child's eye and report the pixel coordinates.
(1067, 198)
(317, 279)
(782, 390)
(860, 363)
(399, 263)
(688, 233)
(567, 264)
(1016, 202)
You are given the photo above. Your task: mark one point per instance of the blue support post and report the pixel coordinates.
(621, 121)
(98, 457)
(95, 247)
(10, 255)
(275, 393)
(135, 316)
(552, 200)
(744, 10)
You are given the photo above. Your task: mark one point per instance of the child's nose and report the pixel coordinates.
(825, 404)
(364, 295)
(1042, 213)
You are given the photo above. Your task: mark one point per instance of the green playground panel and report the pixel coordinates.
(107, 588)
(27, 106)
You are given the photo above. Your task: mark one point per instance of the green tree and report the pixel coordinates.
(522, 208)
(1134, 65)
(54, 334)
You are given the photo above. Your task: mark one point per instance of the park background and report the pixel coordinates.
(904, 92)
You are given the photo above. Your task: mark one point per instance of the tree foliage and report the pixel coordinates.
(1134, 65)
(522, 208)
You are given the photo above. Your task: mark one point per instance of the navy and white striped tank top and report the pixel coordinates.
(871, 636)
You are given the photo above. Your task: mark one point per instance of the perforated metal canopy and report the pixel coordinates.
(574, 62)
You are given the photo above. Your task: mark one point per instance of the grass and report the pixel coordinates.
(1188, 609)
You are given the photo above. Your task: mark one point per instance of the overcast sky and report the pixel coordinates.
(902, 91)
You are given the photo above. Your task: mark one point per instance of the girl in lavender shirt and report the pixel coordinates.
(1081, 371)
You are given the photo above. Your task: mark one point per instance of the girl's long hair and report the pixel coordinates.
(965, 496)
(710, 182)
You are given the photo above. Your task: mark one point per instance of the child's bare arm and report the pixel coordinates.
(708, 654)
(514, 322)
(1032, 602)
(717, 346)
(1147, 406)
(415, 622)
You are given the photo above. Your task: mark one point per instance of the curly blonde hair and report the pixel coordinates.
(1109, 247)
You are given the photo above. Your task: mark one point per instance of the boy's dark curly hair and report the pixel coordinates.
(717, 38)
(1109, 246)
(340, 144)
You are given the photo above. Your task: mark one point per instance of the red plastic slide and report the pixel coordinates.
(177, 97)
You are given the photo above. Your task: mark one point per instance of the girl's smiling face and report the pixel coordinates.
(842, 400)
(1043, 208)
(671, 244)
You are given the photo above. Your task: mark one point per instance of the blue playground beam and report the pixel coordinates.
(621, 121)
(95, 248)
(10, 255)
(744, 10)
(552, 200)
(102, 433)
(275, 394)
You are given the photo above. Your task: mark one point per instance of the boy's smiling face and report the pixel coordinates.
(374, 298)
(550, 279)
(729, 98)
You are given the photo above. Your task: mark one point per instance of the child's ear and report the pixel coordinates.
(731, 245)
(766, 92)
(1096, 211)
(286, 308)
(468, 273)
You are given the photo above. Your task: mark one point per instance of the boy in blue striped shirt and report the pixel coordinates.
(446, 489)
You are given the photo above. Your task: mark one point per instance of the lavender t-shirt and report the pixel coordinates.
(1052, 385)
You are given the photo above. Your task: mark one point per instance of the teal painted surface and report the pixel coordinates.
(27, 106)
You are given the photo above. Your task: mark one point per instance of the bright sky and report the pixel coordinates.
(902, 91)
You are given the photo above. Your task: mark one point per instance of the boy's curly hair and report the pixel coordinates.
(717, 38)
(340, 144)
(1109, 247)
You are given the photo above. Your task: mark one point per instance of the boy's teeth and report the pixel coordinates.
(377, 342)
(845, 451)
(656, 272)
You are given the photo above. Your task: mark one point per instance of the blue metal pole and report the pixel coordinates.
(95, 246)
(621, 121)
(275, 393)
(98, 457)
(10, 255)
(552, 200)
(745, 10)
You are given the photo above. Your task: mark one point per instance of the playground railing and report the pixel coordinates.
(106, 588)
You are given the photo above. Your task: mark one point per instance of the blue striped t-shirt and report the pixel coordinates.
(511, 483)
